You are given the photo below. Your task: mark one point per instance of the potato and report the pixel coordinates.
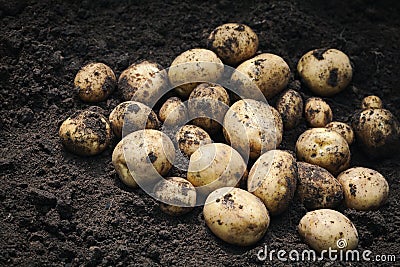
(290, 107)
(95, 82)
(343, 129)
(138, 116)
(371, 101)
(364, 189)
(192, 67)
(325, 71)
(190, 138)
(252, 127)
(120, 166)
(325, 148)
(85, 133)
(236, 216)
(317, 188)
(143, 82)
(173, 112)
(317, 112)
(177, 196)
(377, 131)
(207, 106)
(325, 228)
(233, 42)
(273, 178)
(269, 72)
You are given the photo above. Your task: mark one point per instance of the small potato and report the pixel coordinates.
(325, 71)
(290, 106)
(207, 106)
(378, 132)
(143, 82)
(177, 196)
(252, 127)
(95, 82)
(233, 42)
(269, 72)
(85, 133)
(317, 188)
(190, 138)
(173, 112)
(193, 67)
(364, 189)
(236, 216)
(138, 116)
(273, 178)
(371, 101)
(343, 129)
(325, 228)
(325, 148)
(317, 112)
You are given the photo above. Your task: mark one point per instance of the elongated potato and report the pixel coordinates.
(290, 106)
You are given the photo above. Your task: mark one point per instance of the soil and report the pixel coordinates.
(60, 209)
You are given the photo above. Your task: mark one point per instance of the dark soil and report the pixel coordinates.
(61, 209)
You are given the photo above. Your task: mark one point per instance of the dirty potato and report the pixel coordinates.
(371, 101)
(317, 112)
(190, 138)
(173, 112)
(343, 129)
(290, 106)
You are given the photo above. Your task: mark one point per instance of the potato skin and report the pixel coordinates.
(273, 179)
(236, 216)
(190, 138)
(343, 129)
(364, 188)
(325, 148)
(95, 82)
(119, 163)
(290, 107)
(85, 133)
(317, 112)
(317, 188)
(371, 101)
(321, 229)
(173, 112)
(325, 71)
(233, 42)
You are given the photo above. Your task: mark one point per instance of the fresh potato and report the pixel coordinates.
(190, 138)
(95, 82)
(236, 216)
(325, 71)
(317, 112)
(290, 107)
(325, 148)
(136, 115)
(207, 106)
(252, 127)
(273, 178)
(364, 189)
(371, 101)
(192, 67)
(85, 133)
(343, 129)
(120, 165)
(233, 42)
(173, 112)
(177, 196)
(325, 228)
(317, 188)
(269, 72)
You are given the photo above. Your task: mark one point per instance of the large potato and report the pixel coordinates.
(317, 112)
(290, 106)
(343, 129)
(236, 216)
(273, 178)
(364, 188)
(325, 228)
(190, 138)
(325, 148)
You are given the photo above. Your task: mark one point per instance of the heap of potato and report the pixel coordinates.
(240, 197)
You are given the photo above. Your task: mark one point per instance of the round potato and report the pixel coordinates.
(95, 82)
(317, 188)
(325, 148)
(325, 71)
(364, 189)
(136, 115)
(269, 72)
(273, 178)
(326, 229)
(173, 112)
(343, 129)
(192, 67)
(233, 42)
(85, 133)
(236, 216)
(371, 101)
(190, 138)
(317, 112)
(290, 107)
(120, 166)
(177, 196)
